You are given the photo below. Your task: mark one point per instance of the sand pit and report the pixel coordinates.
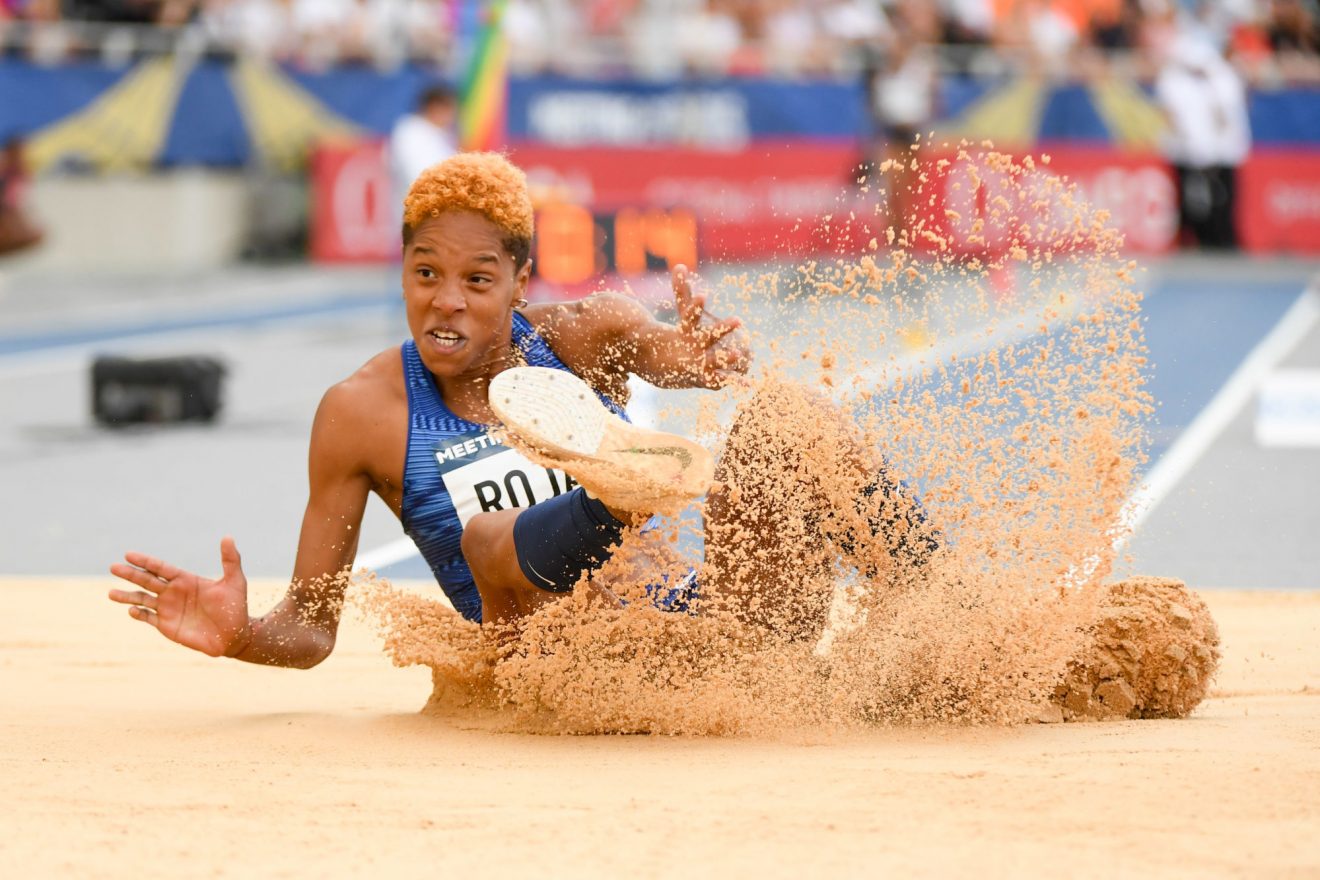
(126, 756)
(1009, 395)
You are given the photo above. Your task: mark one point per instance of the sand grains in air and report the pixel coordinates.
(985, 355)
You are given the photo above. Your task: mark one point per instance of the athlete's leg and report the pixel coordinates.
(522, 559)
(506, 595)
(763, 554)
(799, 489)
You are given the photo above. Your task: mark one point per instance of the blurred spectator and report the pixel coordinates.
(17, 231)
(319, 33)
(790, 37)
(855, 22)
(707, 37)
(252, 27)
(19, 9)
(325, 31)
(1106, 23)
(1293, 30)
(1204, 100)
(1042, 29)
(538, 31)
(168, 13)
(967, 22)
(395, 30)
(420, 139)
(1293, 27)
(31, 10)
(901, 88)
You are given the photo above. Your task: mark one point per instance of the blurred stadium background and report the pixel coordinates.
(211, 177)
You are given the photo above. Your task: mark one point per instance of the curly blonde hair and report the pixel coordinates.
(487, 183)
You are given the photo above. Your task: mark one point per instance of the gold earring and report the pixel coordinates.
(520, 303)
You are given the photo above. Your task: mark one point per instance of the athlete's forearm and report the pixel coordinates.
(668, 358)
(276, 640)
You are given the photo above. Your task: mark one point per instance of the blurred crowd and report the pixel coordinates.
(312, 33)
(1269, 41)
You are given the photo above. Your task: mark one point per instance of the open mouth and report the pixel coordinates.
(446, 340)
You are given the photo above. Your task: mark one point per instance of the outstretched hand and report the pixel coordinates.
(719, 352)
(206, 615)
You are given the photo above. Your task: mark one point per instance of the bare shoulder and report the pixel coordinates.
(371, 387)
(364, 412)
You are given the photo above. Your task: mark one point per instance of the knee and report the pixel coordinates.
(487, 542)
(474, 543)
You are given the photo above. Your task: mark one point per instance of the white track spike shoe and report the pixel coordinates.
(556, 420)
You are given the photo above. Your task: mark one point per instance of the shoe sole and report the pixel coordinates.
(556, 419)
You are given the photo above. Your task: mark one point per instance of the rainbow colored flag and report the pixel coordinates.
(485, 90)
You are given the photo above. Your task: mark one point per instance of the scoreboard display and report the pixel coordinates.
(573, 243)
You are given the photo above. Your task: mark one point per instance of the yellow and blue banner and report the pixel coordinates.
(162, 112)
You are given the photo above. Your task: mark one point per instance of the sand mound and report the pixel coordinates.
(1152, 653)
(420, 631)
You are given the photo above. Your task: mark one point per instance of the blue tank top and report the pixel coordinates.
(454, 470)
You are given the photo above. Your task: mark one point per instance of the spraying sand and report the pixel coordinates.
(840, 629)
(1006, 392)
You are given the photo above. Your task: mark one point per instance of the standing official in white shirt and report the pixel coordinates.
(419, 140)
(1209, 136)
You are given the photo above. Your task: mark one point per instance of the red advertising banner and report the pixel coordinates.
(353, 219)
(1138, 191)
(798, 200)
(630, 210)
(980, 205)
(1279, 202)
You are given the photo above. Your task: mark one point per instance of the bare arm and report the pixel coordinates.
(211, 616)
(300, 630)
(610, 335)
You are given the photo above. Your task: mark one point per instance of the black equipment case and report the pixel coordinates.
(129, 391)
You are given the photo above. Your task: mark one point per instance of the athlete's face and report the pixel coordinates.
(459, 285)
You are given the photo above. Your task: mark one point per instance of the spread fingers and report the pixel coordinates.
(140, 576)
(137, 612)
(136, 598)
(158, 567)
